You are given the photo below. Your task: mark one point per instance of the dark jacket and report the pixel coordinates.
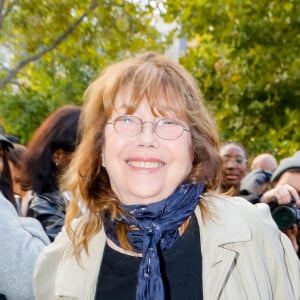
(49, 209)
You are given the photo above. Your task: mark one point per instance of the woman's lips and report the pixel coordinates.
(231, 176)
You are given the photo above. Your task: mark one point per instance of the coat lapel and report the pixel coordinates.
(217, 232)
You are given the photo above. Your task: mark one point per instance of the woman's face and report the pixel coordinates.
(145, 168)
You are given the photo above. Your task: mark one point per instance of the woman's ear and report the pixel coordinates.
(61, 159)
(56, 157)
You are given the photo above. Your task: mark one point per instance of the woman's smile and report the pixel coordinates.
(147, 163)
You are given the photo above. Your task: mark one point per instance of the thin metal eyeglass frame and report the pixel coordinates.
(154, 125)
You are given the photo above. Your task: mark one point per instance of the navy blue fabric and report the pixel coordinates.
(157, 229)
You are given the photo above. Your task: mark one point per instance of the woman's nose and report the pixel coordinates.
(230, 163)
(147, 136)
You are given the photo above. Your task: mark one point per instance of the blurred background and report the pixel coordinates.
(245, 56)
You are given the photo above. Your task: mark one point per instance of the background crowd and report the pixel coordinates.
(263, 181)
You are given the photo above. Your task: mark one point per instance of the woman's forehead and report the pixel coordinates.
(232, 150)
(159, 107)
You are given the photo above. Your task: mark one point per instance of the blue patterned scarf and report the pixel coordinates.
(157, 225)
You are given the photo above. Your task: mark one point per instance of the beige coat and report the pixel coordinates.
(244, 256)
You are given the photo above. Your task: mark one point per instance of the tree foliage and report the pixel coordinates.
(245, 56)
(53, 48)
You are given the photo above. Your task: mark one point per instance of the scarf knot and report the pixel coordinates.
(156, 229)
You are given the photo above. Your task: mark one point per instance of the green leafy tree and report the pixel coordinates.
(245, 56)
(53, 48)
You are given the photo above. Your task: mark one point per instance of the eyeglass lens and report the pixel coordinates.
(167, 129)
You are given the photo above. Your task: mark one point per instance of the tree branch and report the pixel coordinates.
(4, 12)
(13, 72)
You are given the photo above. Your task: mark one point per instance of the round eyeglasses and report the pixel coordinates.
(166, 129)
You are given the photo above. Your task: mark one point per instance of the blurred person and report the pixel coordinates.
(14, 139)
(48, 154)
(258, 180)
(234, 167)
(254, 184)
(286, 189)
(264, 161)
(6, 183)
(145, 168)
(21, 241)
(15, 157)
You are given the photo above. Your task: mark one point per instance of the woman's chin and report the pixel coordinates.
(144, 196)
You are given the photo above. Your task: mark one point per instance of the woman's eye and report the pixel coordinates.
(126, 119)
(169, 122)
(239, 160)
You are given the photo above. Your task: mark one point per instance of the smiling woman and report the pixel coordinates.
(145, 169)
